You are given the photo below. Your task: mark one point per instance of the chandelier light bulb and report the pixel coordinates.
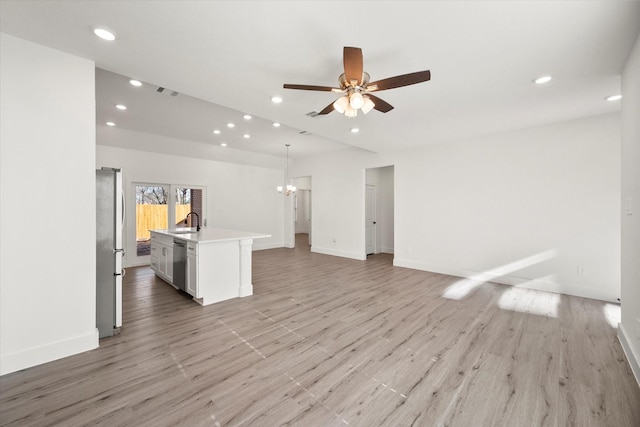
(287, 188)
(356, 100)
(350, 112)
(367, 105)
(341, 104)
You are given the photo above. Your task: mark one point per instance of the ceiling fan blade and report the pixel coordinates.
(380, 104)
(326, 110)
(311, 87)
(399, 81)
(352, 57)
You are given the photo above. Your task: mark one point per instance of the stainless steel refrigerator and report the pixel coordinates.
(109, 250)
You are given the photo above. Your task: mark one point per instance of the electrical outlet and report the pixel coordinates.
(580, 270)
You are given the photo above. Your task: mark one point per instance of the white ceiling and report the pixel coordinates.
(237, 54)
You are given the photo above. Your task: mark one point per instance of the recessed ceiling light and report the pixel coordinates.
(110, 124)
(613, 98)
(246, 136)
(247, 117)
(224, 144)
(135, 83)
(216, 131)
(276, 99)
(276, 125)
(121, 107)
(355, 130)
(230, 125)
(542, 80)
(104, 34)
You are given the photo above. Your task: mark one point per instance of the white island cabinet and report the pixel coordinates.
(218, 262)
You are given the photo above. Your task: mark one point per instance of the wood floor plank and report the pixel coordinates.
(328, 341)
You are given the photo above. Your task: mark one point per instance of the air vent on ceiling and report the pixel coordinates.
(161, 89)
(313, 114)
(305, 133)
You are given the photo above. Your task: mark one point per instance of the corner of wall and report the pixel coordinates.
(632, 358)
(48, 352)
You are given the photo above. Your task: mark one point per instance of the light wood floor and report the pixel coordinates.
(327, 341)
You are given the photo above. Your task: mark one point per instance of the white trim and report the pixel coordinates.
(535, 284)
(632, 358)
(386, 250)
(263, 246)
(343, 254)
(49, 352)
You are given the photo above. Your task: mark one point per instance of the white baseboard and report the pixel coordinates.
(343, 254)
(245, 290)
(632, 357)
(386, 250)
(263, 246)
(47, 353)
(535, 284)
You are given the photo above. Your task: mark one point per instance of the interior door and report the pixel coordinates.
(370, 219)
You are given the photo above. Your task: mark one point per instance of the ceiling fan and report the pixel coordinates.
(356, 87)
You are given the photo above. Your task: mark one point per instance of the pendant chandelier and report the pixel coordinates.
(288, 188)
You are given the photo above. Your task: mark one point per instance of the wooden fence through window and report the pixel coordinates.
(154, 217)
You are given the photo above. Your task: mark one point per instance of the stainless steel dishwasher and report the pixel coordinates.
(179, 264)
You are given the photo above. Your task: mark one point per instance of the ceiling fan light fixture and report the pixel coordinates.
(341, 104)
(354, 84)
(356, 100)
(367, 105)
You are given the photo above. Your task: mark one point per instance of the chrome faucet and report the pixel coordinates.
(197, 219)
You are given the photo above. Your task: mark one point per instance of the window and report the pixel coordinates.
(188, 200)
(153, 212)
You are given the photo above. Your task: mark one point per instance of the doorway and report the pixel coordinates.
(370, 219)
(379, 210)
(152, 213)
(302, 217)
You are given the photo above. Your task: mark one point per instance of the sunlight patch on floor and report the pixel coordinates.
(530, 301)
(461, 288)
(613, 314)
(464, 287)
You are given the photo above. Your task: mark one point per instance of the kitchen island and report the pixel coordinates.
(217, 266)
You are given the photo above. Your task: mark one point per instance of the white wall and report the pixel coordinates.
(337, 203)
(629, 330)
(238, 197)
(387, 208)
(47, 211)
(547, 196)
(522, 197)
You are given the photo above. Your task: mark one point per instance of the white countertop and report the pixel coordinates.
(210, 235)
